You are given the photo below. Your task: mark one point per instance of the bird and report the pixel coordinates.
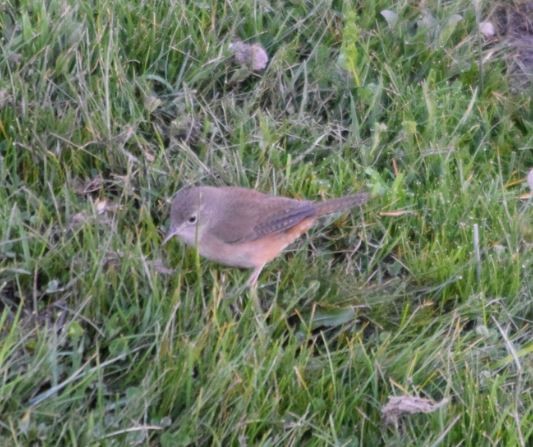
(242, 227)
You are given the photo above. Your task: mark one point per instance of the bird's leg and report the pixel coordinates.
(252, 280)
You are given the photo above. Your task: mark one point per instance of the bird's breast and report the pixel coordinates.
(252, 253)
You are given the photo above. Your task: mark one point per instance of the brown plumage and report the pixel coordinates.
(245, 228)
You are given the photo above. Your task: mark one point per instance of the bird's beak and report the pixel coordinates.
(170, 234)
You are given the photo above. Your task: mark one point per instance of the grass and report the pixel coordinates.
(107, 108)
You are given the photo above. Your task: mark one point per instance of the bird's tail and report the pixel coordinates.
(341, 204)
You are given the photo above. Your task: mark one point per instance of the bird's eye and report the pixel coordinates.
(192, 219)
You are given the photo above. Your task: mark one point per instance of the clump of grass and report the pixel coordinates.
(107, 108)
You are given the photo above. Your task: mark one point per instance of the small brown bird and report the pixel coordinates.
(241, 227)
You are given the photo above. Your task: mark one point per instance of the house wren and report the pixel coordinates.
(245, 228)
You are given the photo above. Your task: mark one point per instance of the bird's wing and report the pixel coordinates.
(256, 215)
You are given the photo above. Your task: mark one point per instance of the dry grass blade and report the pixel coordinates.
(399, 406)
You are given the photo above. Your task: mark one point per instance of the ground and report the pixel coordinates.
(109, 338)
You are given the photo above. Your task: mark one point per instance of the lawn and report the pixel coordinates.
(109, 338)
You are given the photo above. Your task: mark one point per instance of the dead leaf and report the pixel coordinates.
(398, 406)
(101, 205)
(252, 55)
(152, 103)
(487, 30)
(390, 16)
